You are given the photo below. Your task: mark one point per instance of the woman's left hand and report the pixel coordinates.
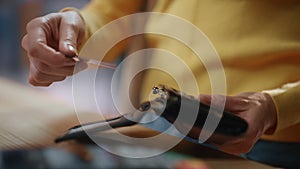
(258, 109)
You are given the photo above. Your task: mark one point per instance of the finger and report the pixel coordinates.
(50, 70)
(36, 43)
(240, 145)
(229, 103)
(35, 83)
(44, 79)
(236, 148)
(38, 78)
(230, 146)
(236, 104)
(70, 34)
(24, 42)
(214, 100)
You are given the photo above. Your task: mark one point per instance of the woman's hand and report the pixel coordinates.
(51, 42)
(258, 109)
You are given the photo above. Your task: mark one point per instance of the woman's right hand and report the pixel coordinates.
(51, 42)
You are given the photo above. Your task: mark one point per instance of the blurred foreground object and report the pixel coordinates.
(29, 119)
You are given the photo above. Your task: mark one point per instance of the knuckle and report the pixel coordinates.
(33, 51)
(39, 77)
(35, 23)
(24, 42)
(243, 103)
(73, 25)
(43, 21)
(30, 24)
(255, 103)
(43, 67)
(33, 82)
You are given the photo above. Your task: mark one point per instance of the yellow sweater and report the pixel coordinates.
(258, 42)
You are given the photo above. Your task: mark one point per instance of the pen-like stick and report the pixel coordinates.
(96, 63)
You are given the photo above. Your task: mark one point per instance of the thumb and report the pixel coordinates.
(68, 39)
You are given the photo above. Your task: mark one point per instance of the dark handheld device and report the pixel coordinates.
(175, 101)
(168, 105)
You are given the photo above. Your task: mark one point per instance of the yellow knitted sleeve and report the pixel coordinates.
(287, 100)
(97, 13)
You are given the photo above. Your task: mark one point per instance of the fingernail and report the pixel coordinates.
(76, 59)
(71, 48)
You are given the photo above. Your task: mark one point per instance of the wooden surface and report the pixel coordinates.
(31, 119)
